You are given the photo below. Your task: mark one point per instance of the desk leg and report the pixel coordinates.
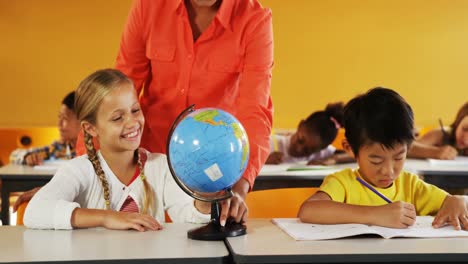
(5, 204)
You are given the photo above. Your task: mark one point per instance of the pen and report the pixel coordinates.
(373, 190)
(444, 133)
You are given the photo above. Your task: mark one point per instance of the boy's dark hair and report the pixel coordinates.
(69, 101)
(381, 115)
(326, 123)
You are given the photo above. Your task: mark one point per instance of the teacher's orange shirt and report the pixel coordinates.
(228, 67)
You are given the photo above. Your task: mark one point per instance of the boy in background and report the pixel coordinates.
(63, 148)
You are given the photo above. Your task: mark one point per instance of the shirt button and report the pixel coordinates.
(123, 188)
(190, 56)
(182, 91)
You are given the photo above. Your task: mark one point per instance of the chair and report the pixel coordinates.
(277, 203)
(20, 213)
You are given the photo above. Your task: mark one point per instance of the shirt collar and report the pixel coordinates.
(225, 13)
(177, 5)
(223, 16)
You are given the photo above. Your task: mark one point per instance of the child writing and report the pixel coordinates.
(312, 139)
(442, 144)
(379, 130)
(64, 148)
(121, 186)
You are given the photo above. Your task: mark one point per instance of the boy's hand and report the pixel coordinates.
(453, 212)
(396, 215)
(33, 159)
(275, 158)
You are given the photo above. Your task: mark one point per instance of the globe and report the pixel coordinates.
(208, 150)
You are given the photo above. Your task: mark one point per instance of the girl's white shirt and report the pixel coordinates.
(76, 185)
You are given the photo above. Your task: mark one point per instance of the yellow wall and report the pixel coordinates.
(325, 50)
(47, 47)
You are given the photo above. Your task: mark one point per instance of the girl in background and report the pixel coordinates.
(121, 186)
(311, 141)
(444, 144)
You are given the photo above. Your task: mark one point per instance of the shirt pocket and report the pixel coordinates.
(226, 64)
(161, 53)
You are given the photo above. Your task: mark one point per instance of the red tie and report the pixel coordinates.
(129, 206)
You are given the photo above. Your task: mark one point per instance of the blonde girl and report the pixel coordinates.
(121, 186)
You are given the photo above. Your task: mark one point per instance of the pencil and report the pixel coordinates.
(444, 133)
(373, 189)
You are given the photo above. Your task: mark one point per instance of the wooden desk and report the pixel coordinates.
(18, 178)
(276, 176)
(170, 245)
(266, 243)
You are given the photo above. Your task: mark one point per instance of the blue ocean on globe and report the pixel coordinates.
(209, 150)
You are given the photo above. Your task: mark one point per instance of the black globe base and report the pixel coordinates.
(214, 231)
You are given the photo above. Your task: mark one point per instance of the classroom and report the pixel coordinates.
(323, 51)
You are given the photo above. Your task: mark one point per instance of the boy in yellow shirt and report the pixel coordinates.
(379, 130)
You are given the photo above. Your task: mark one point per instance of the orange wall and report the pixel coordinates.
(47, 47)
(325, 50)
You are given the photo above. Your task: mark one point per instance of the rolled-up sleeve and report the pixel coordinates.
(254, 101)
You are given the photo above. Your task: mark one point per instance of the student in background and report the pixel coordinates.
(64, 148)
(444, 144)
(121, 186)
(379, 129)
(312, 139)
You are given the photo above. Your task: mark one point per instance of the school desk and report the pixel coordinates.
(18, 178)
(277, 176)
(266, 243)
(170, 245)
(446, 175)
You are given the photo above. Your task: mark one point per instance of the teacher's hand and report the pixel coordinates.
(235, 207)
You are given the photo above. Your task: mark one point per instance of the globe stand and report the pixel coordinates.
(214, 231)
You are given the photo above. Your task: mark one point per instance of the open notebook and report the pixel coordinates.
(422, 229)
